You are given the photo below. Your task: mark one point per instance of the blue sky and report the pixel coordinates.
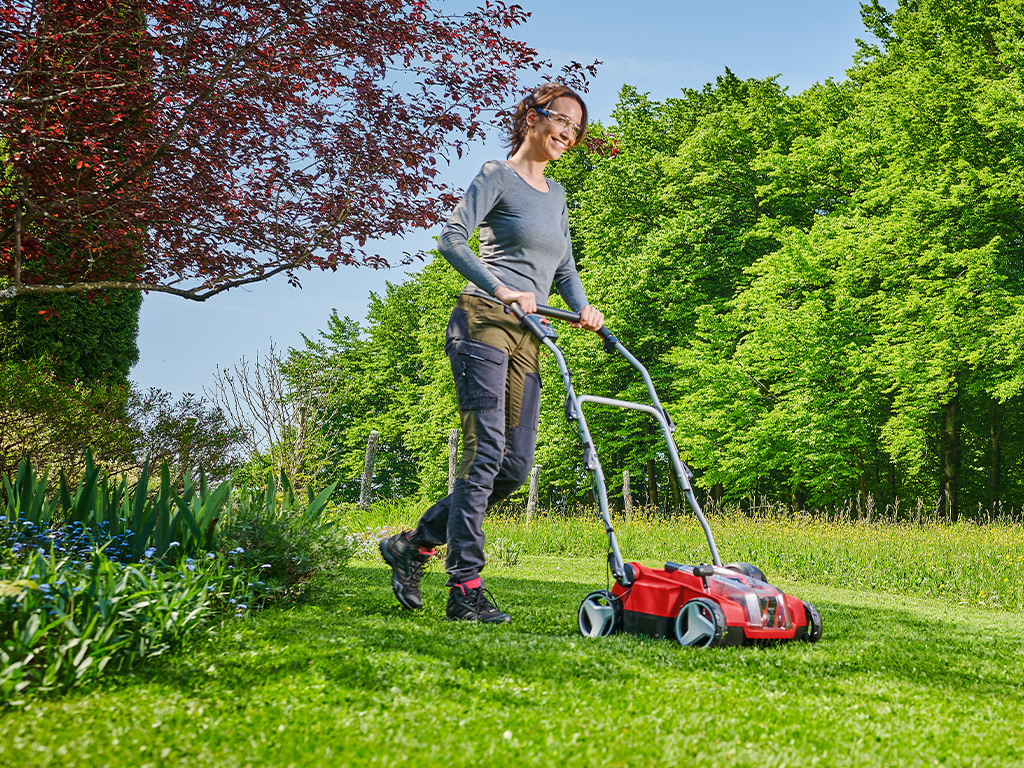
(658, 46)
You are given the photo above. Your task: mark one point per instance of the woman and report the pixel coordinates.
(524, 249)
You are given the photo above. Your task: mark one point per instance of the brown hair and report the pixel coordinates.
(541, 98)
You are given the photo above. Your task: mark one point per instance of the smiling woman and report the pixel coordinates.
(561, 109)
(525, 249)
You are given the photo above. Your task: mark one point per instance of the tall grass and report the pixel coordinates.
(967, 562)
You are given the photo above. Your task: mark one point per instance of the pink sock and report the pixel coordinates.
(471, 584)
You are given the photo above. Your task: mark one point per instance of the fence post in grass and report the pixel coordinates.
(627, 497)
(531, 502)
(371, 454)
(453, 451)
(300, 441)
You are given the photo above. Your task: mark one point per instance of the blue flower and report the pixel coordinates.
(149, 552)
(210, 556)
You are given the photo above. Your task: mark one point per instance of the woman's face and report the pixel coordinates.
(550, 138)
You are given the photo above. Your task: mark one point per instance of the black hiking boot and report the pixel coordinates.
(473, 605)
(406, 563)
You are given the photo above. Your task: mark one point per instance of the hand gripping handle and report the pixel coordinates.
(560, 314)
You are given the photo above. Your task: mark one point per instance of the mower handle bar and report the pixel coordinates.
(562, 314)
(546, 334)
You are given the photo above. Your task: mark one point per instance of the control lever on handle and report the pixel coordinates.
(531, 323)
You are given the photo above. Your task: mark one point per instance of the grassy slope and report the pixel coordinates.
(351, 679)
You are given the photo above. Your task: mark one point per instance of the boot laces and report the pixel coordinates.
(482, 601)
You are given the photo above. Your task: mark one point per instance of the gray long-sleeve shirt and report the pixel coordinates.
(524, 238)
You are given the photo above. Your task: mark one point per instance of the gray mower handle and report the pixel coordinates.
(560, 314)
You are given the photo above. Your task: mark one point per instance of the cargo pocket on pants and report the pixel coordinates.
(479, 370)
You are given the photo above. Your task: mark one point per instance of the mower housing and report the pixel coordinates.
(753, 612)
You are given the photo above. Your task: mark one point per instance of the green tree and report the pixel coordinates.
(875, 342)
(668, 225)
(395, 379)
(85, 339)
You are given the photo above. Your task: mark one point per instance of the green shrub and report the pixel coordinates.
(53, 420)
(64, 621)
(288, 536)
(134, 521)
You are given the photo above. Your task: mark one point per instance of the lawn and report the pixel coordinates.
(349, 678)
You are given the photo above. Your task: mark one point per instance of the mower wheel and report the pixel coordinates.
(600, 614)
(700, 623)
(814, 626)
(748, 570)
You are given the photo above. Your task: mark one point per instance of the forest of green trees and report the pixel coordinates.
(826, 287)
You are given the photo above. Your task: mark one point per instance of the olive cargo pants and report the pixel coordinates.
(497, 381)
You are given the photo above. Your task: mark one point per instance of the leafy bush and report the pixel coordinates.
(134, 519)
(98, 575)
(64, 620)
(53, 421)
(58, 423)
(288, 536)
(187, 433)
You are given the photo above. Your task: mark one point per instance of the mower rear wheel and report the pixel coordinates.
(814, 626)
(747, 569)
(700, 623)
(600, 614)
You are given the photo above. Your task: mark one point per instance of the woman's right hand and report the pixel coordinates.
(526, 300)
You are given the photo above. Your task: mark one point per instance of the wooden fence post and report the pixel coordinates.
(371, 454)
(627, 497)
(531, 502)
(453, 452)
(300, 440)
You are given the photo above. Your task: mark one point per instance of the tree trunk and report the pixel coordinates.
(799, 499)
(652, 484)
(677, 498)
(996, 419)
(950, 456)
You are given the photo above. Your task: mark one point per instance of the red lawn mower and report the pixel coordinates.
(697, 605)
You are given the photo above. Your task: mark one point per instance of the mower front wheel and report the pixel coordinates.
(700, 623)
(600, 614)
(814, 626)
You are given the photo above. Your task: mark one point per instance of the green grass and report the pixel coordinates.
(349, 678)
(963, 563)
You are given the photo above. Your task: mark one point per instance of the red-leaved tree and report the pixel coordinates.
(190, 146)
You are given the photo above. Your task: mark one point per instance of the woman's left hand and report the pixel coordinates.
(591, 319)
